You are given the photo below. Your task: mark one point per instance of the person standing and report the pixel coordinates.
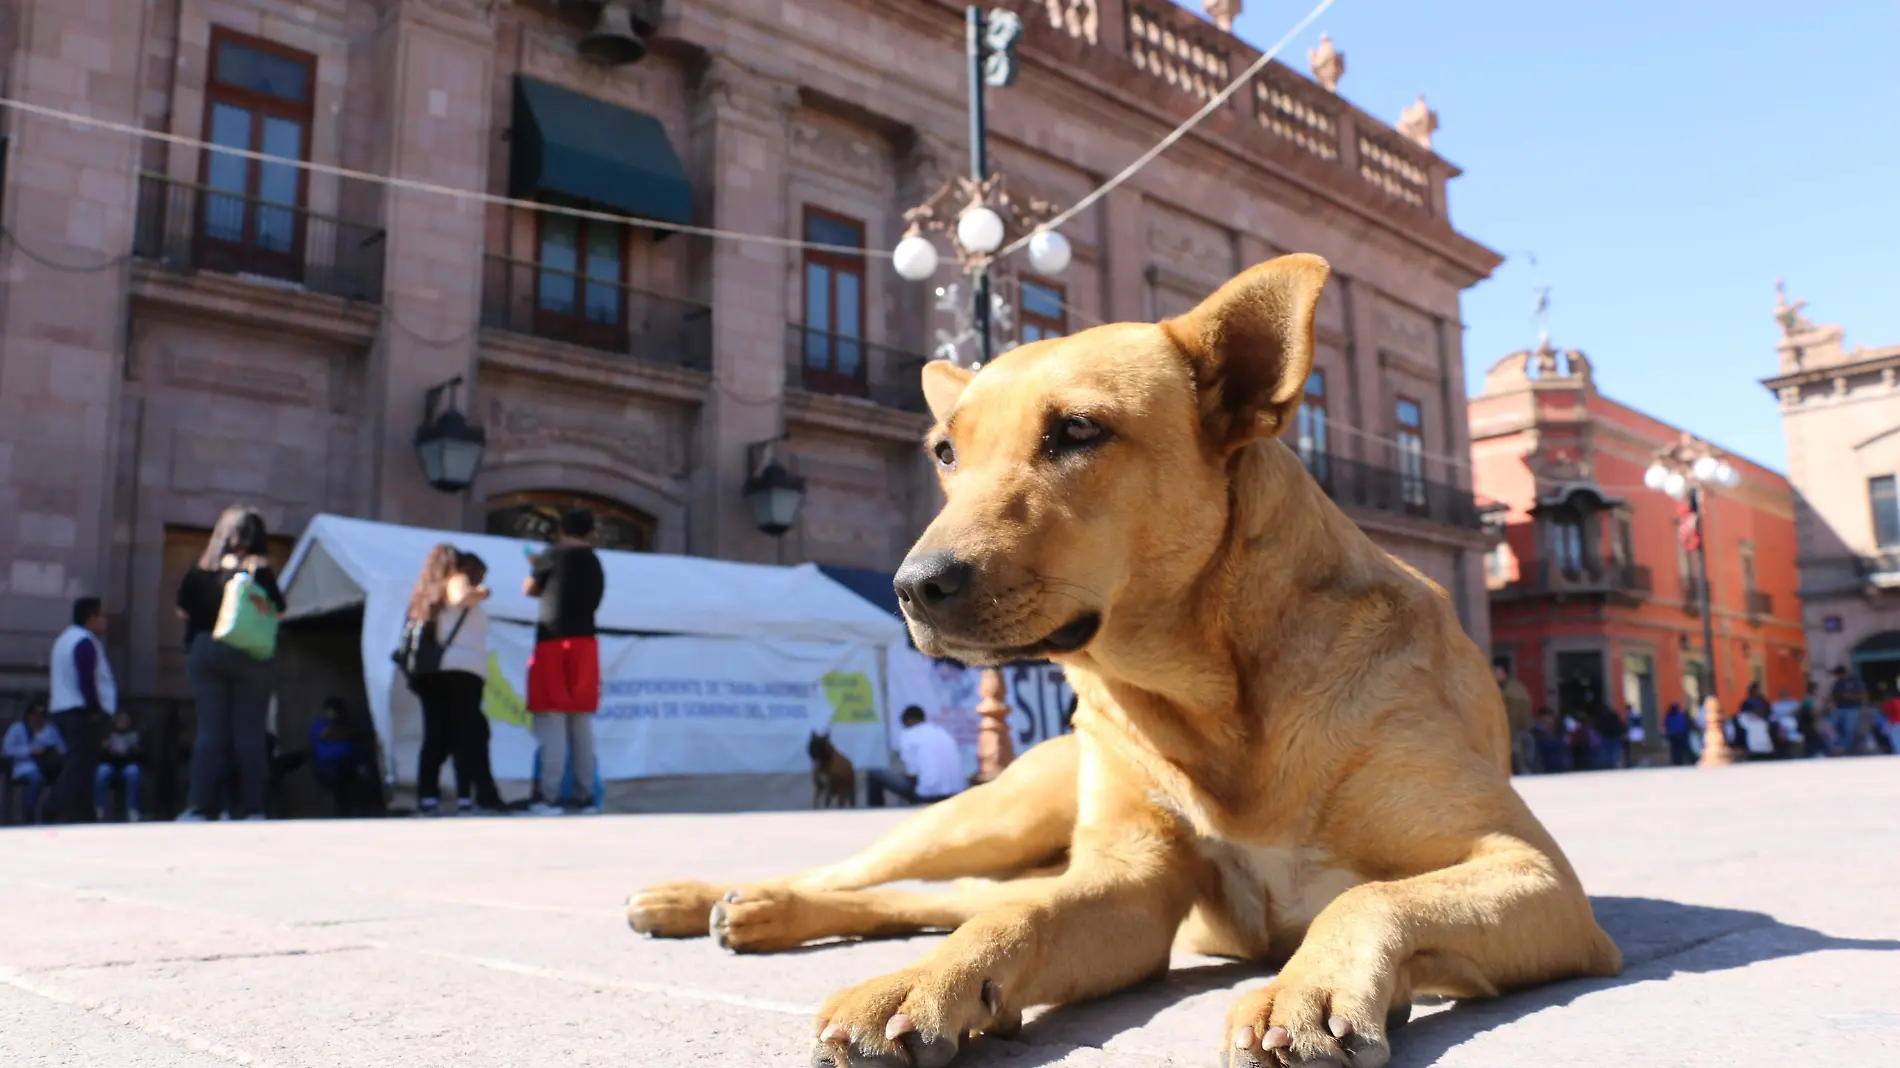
(431, 618)
(464, 678)
(83, 698)
(1808, 719)
(34, 748)
(1847, 697)
(231, 687)
(1517, 714)
(1610, 732)
(1785, 717)
(119, 764)
(1677, 726)
(933, 766)
(564, 669)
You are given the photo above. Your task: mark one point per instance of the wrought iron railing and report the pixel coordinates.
(1761, 603)
(1587, 578)
(1382, 488)
(191, 227)
(842, 365)
(562, 305)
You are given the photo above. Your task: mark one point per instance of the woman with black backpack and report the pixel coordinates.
(445, 656)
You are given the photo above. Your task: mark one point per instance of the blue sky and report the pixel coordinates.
(1664, 163)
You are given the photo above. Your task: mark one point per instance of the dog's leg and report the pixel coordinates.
(767, 918)
(1104, 925)
(1020, 820)
(1511, 915)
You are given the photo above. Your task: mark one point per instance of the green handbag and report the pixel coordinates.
(247, 620)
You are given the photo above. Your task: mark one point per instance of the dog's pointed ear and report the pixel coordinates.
(944, 383)
(1250, 346)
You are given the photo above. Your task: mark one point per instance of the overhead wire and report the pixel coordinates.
(416, 186)
(1214, 103)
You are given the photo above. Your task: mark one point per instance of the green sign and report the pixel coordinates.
(500, 702)
(851, 698)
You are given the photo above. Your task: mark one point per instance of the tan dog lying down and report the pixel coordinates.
(1286, 749)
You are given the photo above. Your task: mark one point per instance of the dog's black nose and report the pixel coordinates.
(932, 581)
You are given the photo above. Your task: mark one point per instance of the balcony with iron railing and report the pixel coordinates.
(841, 365)
(1581, 579)
(604, 315)
(1761, 604)
(1354, 484)
(185, 226)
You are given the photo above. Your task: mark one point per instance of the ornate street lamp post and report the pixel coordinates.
(986, 218)
(1687, 470)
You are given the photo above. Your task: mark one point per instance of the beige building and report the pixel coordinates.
(180, 330)
(1840, 408)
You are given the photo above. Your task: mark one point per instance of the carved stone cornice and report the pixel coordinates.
(730, 90)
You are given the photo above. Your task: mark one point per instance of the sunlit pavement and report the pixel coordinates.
(1758, 907)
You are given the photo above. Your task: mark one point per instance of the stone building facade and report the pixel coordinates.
(180, 329)
(1840, 408)
(1593, 594)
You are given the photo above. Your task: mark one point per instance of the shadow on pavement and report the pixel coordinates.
(1658, 939)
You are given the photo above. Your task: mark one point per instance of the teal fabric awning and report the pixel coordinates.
(570, 143)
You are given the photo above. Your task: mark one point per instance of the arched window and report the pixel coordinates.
(535, 516)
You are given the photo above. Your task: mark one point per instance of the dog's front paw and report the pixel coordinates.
(764, 919)
(916, 1018)
(673, 910)
(1311, 1023)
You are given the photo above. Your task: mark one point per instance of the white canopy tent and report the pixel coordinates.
(341, 563)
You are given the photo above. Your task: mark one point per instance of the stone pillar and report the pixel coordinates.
(994, 748)
(437, 64)
(69, 201)
(741, 145)
(1369, 411)
(1125, 258)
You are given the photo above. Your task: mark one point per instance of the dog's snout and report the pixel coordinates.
(932, 581)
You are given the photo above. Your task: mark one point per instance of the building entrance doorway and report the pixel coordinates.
(1579, 682)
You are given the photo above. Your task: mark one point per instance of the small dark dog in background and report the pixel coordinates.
(834, 782)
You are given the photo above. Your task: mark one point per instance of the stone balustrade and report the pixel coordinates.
(1172, 58)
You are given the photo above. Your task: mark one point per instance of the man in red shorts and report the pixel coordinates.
(564, 669)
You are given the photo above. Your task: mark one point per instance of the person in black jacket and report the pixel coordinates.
(231, 689)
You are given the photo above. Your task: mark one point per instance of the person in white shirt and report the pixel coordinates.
(933, 765)
(448, 599)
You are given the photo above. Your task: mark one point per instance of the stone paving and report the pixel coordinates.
(1757, 906)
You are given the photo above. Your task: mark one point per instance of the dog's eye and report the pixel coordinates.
(1080, 430)
(1070, 434)
(945, 453)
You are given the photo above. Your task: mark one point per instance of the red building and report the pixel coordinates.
(1592, 590)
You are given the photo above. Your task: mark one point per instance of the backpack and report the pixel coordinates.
(247, 620)
(418, 652)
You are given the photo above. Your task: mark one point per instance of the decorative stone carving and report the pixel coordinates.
(1077, 18)
(1793, 323)
(1327, 63)
(1223, 12)
(616, 438)
(1418, 122)
(727, 86)
(994, 748)
(828, 147)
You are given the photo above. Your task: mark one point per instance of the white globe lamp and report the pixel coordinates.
(1727, 475)
(980, 230)
(1704, 468)
(1655, 476)
(1674, 484)
(1049, 252)
(915, 258)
